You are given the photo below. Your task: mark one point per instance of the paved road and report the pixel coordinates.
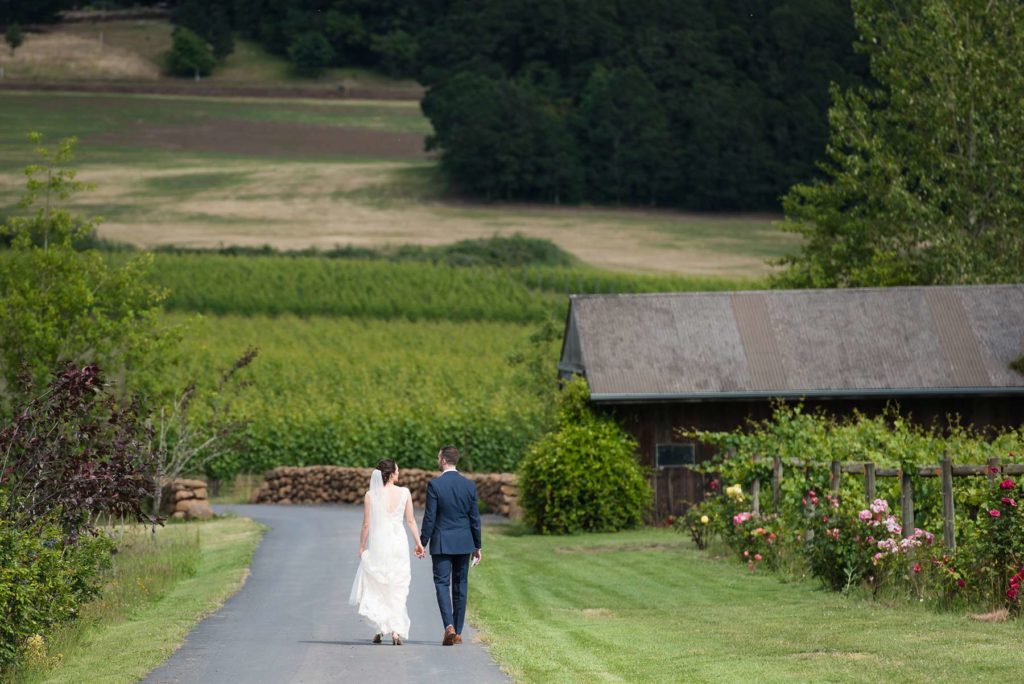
(291, 622)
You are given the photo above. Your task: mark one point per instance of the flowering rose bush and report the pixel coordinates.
(848, 547)
(697, 522)
(992, 549)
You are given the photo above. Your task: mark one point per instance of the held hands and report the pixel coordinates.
(419, 551)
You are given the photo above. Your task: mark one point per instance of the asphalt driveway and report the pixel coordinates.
(291, 622)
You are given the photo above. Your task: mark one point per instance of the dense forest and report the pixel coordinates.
(698, 104)
(689, 103)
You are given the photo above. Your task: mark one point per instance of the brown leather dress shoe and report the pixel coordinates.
(449, 636)
(457, 639)
(376, 638)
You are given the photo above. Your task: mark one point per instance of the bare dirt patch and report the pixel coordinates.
(268, 139)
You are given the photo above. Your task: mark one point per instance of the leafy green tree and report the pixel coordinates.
(59, 304)
(626, 135)
(311, 53)
(14, 37)
(397, 52)
(190, 55)
(925, 172)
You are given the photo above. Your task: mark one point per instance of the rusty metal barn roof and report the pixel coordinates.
(797, 343)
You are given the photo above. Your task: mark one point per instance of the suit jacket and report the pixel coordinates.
(451, 523)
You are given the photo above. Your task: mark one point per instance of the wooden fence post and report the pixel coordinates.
(907, 503)
(755, 493)
(869, 481)
(776, 482)
(837, 477)
(993, 471)
(948, 529)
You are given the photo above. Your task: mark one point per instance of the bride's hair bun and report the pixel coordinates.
(387, 468)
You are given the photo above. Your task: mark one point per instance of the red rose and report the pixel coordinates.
(713, 485)
(1006, 484)
(1011, 593)
(917, 568)
(961, 583)
(994, 513)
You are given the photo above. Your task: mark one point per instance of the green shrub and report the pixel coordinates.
(310, 53)
(44, 580)
(189, 55)
(583, 476)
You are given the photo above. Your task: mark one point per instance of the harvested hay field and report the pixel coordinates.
(293, 174)
(56, 55)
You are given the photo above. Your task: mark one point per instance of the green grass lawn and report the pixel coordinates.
(155, 594)
(647, 607)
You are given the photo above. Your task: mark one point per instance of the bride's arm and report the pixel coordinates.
(366, 524)
(410, 520)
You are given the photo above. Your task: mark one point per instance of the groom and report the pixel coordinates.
(451, 528)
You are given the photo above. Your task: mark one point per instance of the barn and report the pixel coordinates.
(711, 360)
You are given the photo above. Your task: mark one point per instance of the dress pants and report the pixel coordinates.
(451, 580)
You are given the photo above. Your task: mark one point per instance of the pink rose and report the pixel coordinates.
(994, 513)
(746, 554)
(917, 568)
(864, 515)
(1011, 593)
(1008, 501)
(757, 556)
(1007, 484)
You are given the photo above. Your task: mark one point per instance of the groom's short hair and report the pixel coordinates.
(449, 454)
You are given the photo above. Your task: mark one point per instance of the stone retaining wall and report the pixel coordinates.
(336, 484)
(186, 499)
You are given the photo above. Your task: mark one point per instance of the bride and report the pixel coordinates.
(381, 586)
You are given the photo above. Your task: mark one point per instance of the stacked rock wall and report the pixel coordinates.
(336, 484)
(186, 499)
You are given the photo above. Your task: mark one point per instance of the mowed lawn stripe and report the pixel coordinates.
(646, 606)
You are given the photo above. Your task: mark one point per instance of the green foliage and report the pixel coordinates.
(35, 12)
(694, 103)
(189, 55)
(397, 51)
(1018, 365)
(44, 581)
(496, 251)
(700, 104)
(924, 176)
(60, 304)
(14, 37)
(848, 544)
(367, 286)
(345, 391)
(310, 54)
(210, 21)
(583, 476)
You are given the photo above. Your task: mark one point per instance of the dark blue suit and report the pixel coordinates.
(451, 529)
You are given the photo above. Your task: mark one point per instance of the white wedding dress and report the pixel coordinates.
(381, 586)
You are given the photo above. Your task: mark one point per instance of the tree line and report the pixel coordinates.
(696, 103)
